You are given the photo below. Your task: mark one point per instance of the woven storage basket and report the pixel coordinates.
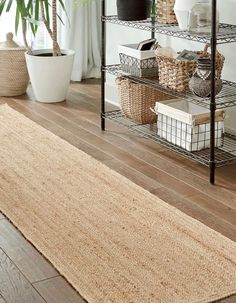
(138, 63)
(137, 99)
(165, 11)
(14, 77)
(147, 68)
(176, 74)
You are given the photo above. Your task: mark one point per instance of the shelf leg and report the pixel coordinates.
(213, 103)
(103, 120)
(153, 18)
(103, 64)
(103, 123)
(212, 173)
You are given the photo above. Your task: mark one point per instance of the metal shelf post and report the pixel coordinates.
(103, 63)
(213, 101)
(153, 18)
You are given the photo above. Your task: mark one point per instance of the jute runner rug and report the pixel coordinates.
(112, 240)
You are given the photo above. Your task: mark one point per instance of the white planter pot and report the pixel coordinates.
(181, 9)
(50, 76)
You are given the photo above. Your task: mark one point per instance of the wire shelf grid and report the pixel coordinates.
(226, 98)
(227, 32)
(224, 155)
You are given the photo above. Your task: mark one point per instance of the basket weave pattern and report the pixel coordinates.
(165, 11)
(176, 74)
(14, 77)
(139, 68)
(137, 99)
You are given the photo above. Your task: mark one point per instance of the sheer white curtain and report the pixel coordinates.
(81, 33)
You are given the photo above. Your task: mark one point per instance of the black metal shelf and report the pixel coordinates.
(226, 98)
(224, 155)
(227, 32)
(212, 157)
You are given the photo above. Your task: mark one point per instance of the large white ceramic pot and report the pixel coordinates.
(181, 9)
(50, 76)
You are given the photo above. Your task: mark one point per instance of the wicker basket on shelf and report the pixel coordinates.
(176, 74)
(137, 99)
(165, 11)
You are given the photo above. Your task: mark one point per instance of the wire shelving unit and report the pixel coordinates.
(212, 157)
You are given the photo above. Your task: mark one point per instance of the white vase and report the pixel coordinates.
(181, 9)
(50, 76)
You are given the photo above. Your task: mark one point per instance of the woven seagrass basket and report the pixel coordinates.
(165, 11)
(137, 99)
(14, 77)
(176, 74)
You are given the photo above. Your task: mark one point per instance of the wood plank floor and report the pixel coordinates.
(25, 275)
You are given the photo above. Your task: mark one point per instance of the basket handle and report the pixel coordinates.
(153, 110)
(121, 79)
(205, 50)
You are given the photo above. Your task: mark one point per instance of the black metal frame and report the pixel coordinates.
(103, 62)
(213, 99)
(212, 157)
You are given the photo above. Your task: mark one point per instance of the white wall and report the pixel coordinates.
(117, 34)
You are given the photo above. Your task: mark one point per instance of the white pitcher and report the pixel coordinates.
(182, 8)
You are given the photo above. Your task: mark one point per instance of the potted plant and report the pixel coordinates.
(131, 10)
(49, 69)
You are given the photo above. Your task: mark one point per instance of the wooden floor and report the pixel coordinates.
(25, 276)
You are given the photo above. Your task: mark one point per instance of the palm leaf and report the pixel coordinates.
(2, 6)
(17, 20)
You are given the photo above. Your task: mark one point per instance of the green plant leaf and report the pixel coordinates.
(2, 5)
(62, 5)
(47, 14)
(17, 19)
(9, 5)
(36, 14)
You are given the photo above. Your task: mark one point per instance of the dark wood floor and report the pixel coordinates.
(25, 276)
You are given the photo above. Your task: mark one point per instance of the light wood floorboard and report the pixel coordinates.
(57, 290)
(14, 287)
(31, 263)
